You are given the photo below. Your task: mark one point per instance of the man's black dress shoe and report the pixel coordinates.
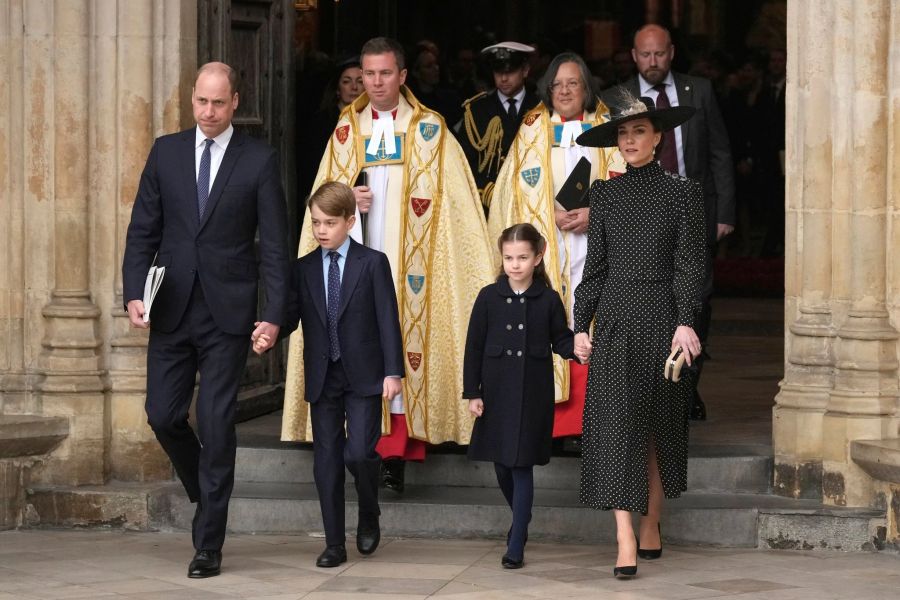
(332, 556)
(698, 408)
(511, 563)
(368, 534)
(206, 563)
(392, 474)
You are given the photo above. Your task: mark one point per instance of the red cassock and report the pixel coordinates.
(567, 418)
(399, 445)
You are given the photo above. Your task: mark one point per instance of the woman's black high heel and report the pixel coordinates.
(624, 572)
(652, 554)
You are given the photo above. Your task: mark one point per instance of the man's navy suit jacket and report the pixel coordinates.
(369, 334)
(220, 248)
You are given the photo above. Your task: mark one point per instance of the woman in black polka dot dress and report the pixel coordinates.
(641, 291)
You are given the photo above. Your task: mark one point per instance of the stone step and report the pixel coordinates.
(745, 469)
(733, 520)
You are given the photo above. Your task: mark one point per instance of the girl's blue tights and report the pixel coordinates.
(517, 485)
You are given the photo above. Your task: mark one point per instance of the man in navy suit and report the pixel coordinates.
(698, 149)
(202, 195)
(343, 295)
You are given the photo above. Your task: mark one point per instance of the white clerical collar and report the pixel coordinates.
(520, 97)
(570, 131)
(386, 114)
(382, 130)
(646, 86)
(220, 140)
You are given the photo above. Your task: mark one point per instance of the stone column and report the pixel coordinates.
(811, 117)
(865, 384)
(144, 91)
(72, 385)
(16, 382)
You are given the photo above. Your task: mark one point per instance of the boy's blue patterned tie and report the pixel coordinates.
(334, 301)
(203, 179)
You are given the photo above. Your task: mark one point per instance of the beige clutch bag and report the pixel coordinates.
(674, 364)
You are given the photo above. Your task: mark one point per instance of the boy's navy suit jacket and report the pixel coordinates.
(368, 320)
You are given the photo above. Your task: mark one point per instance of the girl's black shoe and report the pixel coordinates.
(625, 572)
(511, 563)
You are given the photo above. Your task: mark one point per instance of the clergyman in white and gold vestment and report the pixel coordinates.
(425, 214)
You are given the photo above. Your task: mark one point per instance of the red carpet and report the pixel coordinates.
(749, 277)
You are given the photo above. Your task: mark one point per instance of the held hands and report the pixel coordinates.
(476, 407)
(136, 314)
(364, 197)
(259, 346)
(688, 341)
(264, 336)
(392, 387)
(583, 347)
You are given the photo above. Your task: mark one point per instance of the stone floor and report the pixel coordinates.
(105, 564)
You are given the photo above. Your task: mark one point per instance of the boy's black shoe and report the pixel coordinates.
(368, 534)
(332, 556)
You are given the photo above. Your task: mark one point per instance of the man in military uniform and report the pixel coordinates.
(491, 119)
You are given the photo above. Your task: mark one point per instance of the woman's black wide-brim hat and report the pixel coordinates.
(606, 134)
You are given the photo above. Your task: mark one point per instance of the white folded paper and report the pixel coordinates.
(151, 287)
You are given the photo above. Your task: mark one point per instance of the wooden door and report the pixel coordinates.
(255, 37)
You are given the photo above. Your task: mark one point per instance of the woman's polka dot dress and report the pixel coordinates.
(642, 278)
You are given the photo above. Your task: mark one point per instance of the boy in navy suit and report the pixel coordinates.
(343, 295)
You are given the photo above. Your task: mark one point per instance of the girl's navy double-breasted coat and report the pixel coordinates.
(509, 365)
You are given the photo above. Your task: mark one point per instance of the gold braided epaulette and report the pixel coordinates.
(467, 101)
(487, 145)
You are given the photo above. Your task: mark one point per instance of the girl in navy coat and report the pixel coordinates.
(508, 374)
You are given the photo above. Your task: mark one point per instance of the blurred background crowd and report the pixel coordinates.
(738, 46)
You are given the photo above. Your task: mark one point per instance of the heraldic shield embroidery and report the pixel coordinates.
(531, 176)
